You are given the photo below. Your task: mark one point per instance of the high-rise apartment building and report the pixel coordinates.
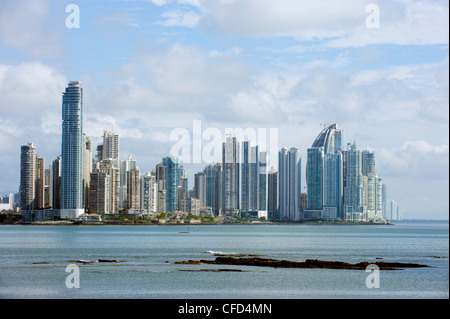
(149, 193)
(27, 188)
(200, 188)
(40, 183)
(72, 151)
(289, 174)
(99, 192)
(87, 168)
(230, 178)
(373, 197)
(272, 195)
(55, 177)
(213, 174)
(368, 162)
(333, 188)
(171, 182)
(109, 166)
(133, 189)
(110, 149)
(354, 197)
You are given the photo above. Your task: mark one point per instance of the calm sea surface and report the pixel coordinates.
(148, 253)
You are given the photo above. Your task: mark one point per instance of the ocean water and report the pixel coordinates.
(147, 254)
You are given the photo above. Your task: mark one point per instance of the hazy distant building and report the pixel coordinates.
(71, 152)
(384, 201)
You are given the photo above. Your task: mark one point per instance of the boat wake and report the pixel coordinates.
(219, 253)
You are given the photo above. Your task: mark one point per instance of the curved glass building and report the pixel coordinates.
(324, 175)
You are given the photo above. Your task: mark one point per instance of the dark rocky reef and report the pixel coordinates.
(309, 263)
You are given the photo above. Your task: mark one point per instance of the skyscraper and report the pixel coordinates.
(133, 189)
(333, 190)
(373, 197)
(109, 166)
(71, 151)
(230, 180)
(56, 183)
(27, 188)
(354, 200)
(171, 172)
(87, 168)
(110, 147)
(40, 183)
(314, 177)
(289, 170)
(148, 192)
(368, 162)
(324, 175)
(99, 192)
(200, 187)
(272, 195)
(253, 178)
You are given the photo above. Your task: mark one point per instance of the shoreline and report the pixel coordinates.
(132, 223)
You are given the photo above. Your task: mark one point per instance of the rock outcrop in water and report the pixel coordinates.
(309, 263)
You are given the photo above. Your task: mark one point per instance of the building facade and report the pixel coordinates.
(289, 170)
(171, 182)
(72, 151)
(230, 178)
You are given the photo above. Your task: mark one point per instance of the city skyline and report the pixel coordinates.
(151, 66)
(341, 184)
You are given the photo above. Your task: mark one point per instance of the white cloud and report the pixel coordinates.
(341, 22)
(179, 18)
(29, 26)
(28, 87)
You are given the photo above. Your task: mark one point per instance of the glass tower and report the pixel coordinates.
(72, 151)
(171, 165)
(324, 174)
(289, 164)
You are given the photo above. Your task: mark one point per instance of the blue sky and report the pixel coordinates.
(149, 67)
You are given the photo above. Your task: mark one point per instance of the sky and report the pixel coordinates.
(150, 69)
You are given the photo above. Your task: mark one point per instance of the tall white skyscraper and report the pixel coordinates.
(72, 152)
(289, 170)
